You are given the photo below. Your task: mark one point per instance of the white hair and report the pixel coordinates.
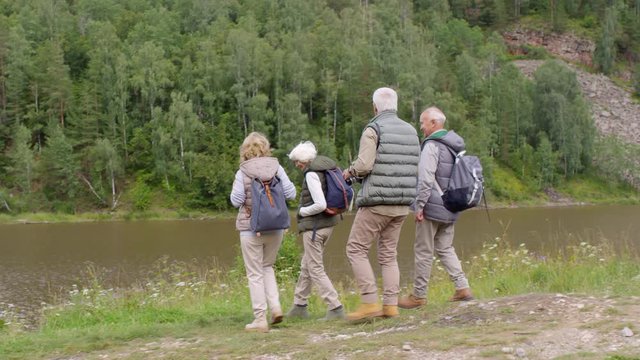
(385, 99)
(435, 114)
(304, 152)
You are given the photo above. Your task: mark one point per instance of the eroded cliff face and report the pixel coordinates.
(565, 46)
(614, 111)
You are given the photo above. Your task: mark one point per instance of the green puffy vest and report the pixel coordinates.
(322, 220)
(394, 176)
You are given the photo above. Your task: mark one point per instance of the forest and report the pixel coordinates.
(132, 104)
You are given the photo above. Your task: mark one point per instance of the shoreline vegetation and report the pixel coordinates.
(172, 215)
(190, 309)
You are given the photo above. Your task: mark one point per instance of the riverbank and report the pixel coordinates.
(579, 192)
(573, 303)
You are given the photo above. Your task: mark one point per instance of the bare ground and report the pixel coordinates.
(533, 326)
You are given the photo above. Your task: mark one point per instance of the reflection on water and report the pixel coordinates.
(40, 261)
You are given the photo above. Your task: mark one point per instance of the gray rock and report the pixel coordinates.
(626, 332)
(407, 347)
(520, 352)
(507, 350)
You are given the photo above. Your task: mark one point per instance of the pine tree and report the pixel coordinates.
(59, 167)
(22, 160)
(605, 53)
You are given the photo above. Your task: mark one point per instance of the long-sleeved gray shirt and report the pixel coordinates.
(426, 174)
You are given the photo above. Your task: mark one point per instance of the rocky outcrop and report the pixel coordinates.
(566, 46)
(614, 111)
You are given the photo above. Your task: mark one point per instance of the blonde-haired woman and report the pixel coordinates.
(259, 250)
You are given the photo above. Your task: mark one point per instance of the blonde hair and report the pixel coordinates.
(254, 145)
(304, 152)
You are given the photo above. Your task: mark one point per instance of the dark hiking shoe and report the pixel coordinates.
(298, 311)
(335, 314)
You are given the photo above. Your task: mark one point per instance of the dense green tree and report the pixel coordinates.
(106, 163)
(167, 90)
(184, 124)
(605, 53)
(52, 87)
(17, 69)
(22, 160)
(151, 73)
(563, 115)
(59, 167)
(511, 102)
(546, 161)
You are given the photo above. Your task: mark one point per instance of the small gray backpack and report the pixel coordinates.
(466, 184)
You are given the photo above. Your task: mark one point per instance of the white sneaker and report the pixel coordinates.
(258, 325)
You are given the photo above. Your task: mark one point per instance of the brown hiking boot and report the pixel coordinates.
(411, 302)
(276, 317)
(462, 295)
(365, 312)
(390, 311)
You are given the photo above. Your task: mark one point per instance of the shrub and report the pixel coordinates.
(141, 195)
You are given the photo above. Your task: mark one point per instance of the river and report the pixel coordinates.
(38, 261)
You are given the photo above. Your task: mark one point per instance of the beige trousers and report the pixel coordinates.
(312, 270)
(259, 254)
(369, 227)
(434, 237)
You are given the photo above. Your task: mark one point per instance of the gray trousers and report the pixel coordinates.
(312, 270)
(369, 227)
(435, 237)
(259, 254)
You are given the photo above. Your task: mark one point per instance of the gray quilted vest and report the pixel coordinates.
(393, 179)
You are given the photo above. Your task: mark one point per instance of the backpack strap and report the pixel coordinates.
(376, 127)
(455, 157)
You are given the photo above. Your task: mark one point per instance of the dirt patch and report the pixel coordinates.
(533, 326)
(566, 46)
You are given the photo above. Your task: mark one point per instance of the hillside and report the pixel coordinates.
(614, 111)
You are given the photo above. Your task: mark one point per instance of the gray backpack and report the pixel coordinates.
(466, 185)
(269, 207)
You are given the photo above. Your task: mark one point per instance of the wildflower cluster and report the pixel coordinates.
(499, 256)
(586, 252)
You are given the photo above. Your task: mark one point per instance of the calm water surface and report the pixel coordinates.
(39, 260)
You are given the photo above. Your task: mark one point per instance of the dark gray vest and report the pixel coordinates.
(434, 209)
(322, 220)
(393, 179)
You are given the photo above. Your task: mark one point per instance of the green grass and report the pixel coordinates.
(182, 299)
(593, 190)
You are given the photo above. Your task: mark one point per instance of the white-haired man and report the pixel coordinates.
(434, 223)
(388, 163)
(316, 227)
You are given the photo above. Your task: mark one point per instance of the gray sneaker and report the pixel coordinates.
(335, 314)
(298, 311)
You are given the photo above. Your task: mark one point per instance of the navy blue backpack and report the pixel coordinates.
(269, 207)
(339, 193)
